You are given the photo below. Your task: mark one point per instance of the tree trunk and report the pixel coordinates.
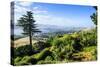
(30, 37)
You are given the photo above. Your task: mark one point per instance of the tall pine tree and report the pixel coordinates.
(28, 25)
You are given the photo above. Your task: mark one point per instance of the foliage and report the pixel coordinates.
(42, 55)
(26, 60)
(78, 46)
(93, 51)
(23, 50)
(28, 25)
(94, 16)
(48, 60)
(40, 45)
(84, 55)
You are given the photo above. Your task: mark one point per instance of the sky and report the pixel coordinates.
(66, 15)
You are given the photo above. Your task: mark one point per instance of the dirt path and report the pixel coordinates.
(23, 41)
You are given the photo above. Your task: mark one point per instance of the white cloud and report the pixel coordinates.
(40, 15)
(40, 11)
(35, 8)
(52, 20)
(25, 4)
(21, 8)
(19, 11)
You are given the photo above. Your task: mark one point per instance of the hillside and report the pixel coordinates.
(75, 47)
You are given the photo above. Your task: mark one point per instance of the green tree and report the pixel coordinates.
(28, 25)
(94, 16)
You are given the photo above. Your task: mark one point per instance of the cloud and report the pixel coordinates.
(20, 8)
(25, 4)
(40, 15)
(52, 20)
(40, 11)
(35, 8)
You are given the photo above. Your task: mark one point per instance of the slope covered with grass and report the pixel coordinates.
(75, 47)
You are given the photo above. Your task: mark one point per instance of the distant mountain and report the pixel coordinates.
(50, 29)
(54, 28)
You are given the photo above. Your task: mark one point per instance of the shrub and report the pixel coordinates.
(57, 42)
(88, 38)
(46, 62)
(49, 41)
(76, 45)
(42, 54)
(88, 54)
(77, 56)
(40, 45)
(48, 58)
(23, 50)
(75, 35)
(92, 50)
(18, 59)
(23, 61)
(26, 60)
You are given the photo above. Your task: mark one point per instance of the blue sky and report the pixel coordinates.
(56, 14)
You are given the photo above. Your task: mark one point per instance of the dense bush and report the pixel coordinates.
(88, 38)
(23, 50)
(40, 45)
(78, 46)
(42, 55)
(48, 60)
(26, 60)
